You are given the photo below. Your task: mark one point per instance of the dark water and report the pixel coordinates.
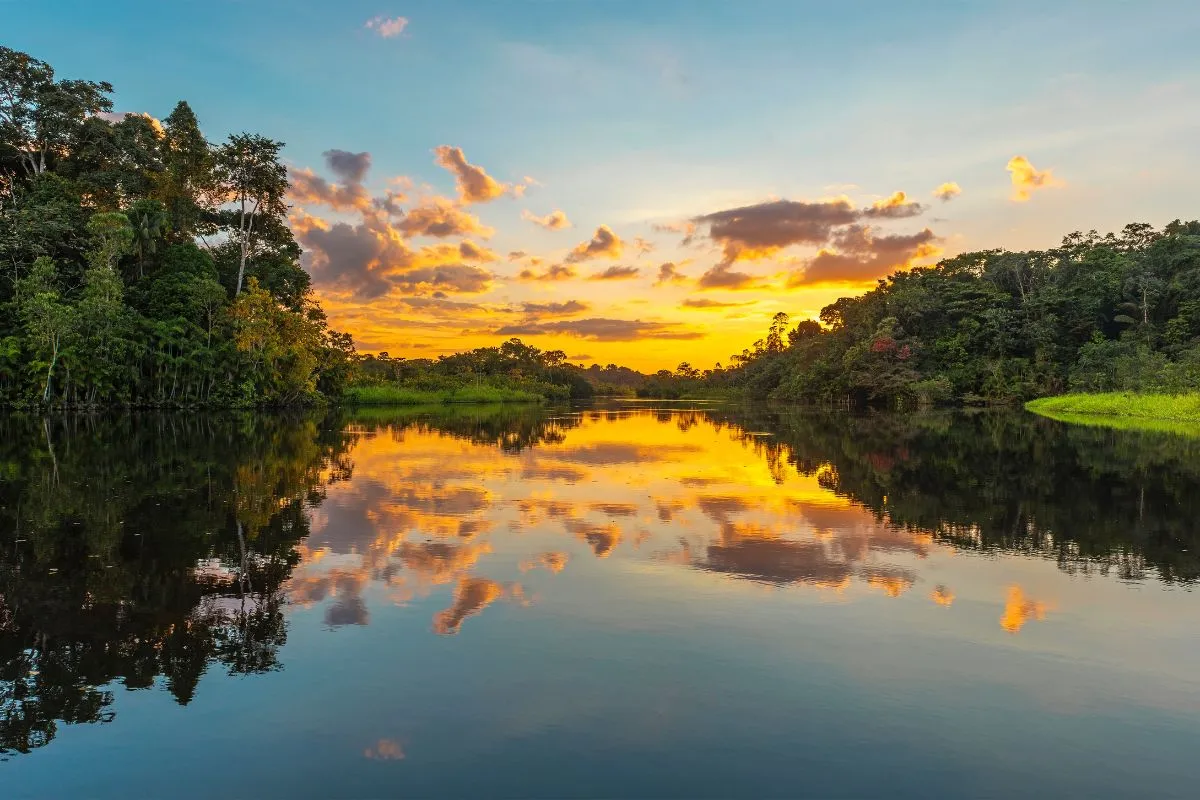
(617, 601)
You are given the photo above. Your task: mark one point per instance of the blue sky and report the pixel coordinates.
(629, 114)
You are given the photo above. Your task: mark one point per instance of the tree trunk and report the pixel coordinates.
(50, 374)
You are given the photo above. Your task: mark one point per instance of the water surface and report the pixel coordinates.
(631, 599)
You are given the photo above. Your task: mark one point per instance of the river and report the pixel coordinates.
(625, 599)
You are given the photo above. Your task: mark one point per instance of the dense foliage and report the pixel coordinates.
(144, 265)
(514, 370)
(1098, 313)
(1093, 499)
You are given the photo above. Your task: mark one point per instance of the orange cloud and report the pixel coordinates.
(863, 256)
(685, 228)
(308, 187)
(564, 309)
(616, 274)
(705, 303)
(474, 184)
(723, 276)
(669, 273)
(895, 205)
(372, 257)
(602, 330)
(947, 191)
(555, 272)
(554, 221)
(604, 243)
(1026, 179)
(441, 218)
(759, 231)
(942, 596)
(470, 251)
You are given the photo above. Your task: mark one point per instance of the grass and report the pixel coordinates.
(1173, 413)
(401, 396)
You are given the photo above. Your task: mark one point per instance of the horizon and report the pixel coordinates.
(665, 202)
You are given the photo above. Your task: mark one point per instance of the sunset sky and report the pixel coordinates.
(649, 182)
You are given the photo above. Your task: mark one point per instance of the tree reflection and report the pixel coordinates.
(144, 550)
(143, 547)
(1092, 499)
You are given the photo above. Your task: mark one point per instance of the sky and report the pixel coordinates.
(649, 183)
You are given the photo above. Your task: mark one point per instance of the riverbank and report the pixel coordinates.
(403, 396)
(1178, 413)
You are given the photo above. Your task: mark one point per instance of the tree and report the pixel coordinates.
(38, 115)
(47, 320)
(250, 176)
(149, 220)
(775, 335)
(112, 237)
(188, 174)
(280, 347)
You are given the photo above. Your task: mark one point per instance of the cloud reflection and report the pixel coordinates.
(449, 510)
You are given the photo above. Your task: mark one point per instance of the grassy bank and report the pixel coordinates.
(1174, 413)
(403, 396)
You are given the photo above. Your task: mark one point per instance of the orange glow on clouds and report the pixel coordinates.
(380, 278)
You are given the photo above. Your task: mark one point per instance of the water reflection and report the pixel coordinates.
(148, 547)
(144, 550)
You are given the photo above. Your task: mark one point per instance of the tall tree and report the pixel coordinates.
(39, 115)
(48, 321)
(250, 177)
(188, 175)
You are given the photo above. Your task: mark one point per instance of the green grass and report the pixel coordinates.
(1172, 413)
(401, 396)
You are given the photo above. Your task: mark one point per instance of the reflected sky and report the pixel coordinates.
(630, 599)
(429, 511)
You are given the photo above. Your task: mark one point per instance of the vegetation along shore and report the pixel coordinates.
(1179, 413)
(144, 265)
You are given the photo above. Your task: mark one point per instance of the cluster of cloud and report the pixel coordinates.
(616, 274)
(373, 255)
(387, 27)
(555, 272)
(707, 304)
(600, 329)
(555, 309)
(1026, 179)
(863, 255)
(603, 244)
(947, 191)
(668, 273)
(372, 249)
(848, 249)
(473, 182)
(554, 221)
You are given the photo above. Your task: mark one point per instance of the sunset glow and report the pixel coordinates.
(644, 185)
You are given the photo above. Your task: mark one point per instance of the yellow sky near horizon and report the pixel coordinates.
(417, 274)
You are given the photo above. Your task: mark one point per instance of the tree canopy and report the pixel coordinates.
(1098, 313)
(144, 265)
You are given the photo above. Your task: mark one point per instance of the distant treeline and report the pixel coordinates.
(1098, 313)
(142, 264)
(513, 370)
